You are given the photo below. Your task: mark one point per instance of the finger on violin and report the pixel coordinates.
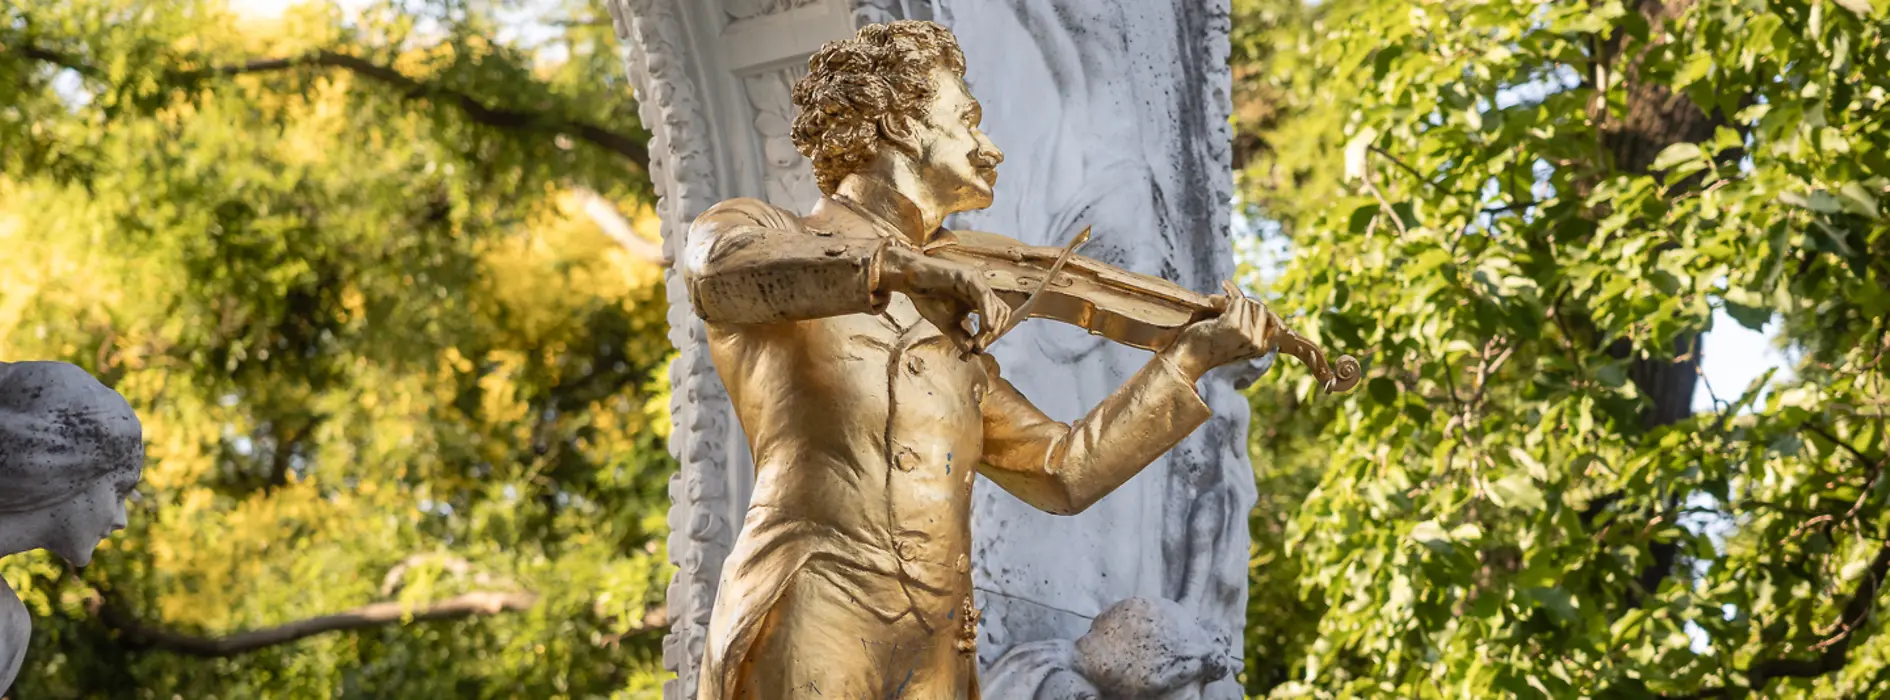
(1233, 292)
(1256, 322)
(958, 336)
(1243, 310)
(999, 314)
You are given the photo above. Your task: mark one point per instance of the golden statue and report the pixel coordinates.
(847, 344)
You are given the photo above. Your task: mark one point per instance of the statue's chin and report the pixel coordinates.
(981, 200)
(80, 557)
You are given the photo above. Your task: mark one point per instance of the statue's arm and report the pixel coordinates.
(1065, 468)
(746, 261)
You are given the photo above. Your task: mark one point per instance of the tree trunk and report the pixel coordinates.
(1654, 117)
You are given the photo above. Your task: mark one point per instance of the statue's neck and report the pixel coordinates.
(898, 202)
(18, 533)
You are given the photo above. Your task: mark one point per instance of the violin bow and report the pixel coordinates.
(1023, 310)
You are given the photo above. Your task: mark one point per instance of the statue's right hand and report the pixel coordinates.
(946, 294)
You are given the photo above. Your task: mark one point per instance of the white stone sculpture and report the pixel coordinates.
(1112, 113)
(71, 450)
(1138, 649)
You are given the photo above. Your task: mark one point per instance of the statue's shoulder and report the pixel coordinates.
(746, 211)
(16, 629)
(983, 239)
(13, 619)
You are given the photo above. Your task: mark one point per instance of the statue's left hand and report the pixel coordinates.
(1243, 331)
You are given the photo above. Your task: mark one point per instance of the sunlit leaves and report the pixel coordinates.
(365, 335)
(1463, 210)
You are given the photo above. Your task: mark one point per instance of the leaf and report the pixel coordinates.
(1381, 61)
(1817, 200)
(1753, 317)
(1853, 197)
(1356, 151)
(1528, 462)
(1361, 218)
(1517, 491)
(1861, 7)
(1629, 626)
(1677, 154)
(1825, 238)
(1612, 375)
(1407, 213)
(1694, 70)
(1557, 601)
(1382, 390)
(1429, 532)
(1427, 261)
(1851, 571)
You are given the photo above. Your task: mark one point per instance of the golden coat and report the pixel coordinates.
(867, 428)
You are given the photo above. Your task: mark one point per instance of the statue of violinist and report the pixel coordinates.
(850, 355)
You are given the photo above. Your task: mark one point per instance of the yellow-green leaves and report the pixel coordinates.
(365, 334)
(1528, 244)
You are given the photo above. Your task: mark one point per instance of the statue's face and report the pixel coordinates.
(80, 524)
(957, 161)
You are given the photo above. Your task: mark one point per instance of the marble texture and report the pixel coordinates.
(1112, 113)
(71, 450)
(1138, 649)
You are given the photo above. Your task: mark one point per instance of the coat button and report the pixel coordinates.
(914, 364)
(836, 250)
(905, 549)
(907, 460)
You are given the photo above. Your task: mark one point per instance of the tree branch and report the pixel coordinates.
(475, 110)
(604, 213)
(137, 634)
(1835, 651)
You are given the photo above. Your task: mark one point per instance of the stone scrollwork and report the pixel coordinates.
(881, 11)
(750, 9)
(784, 169)
(700, 534)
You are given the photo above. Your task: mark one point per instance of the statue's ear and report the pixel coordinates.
(896, 129)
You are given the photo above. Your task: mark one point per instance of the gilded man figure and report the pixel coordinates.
(856, 369)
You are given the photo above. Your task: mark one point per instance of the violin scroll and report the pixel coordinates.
(1335, 377)
(1338, 377)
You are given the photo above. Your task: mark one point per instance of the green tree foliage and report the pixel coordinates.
(1523, 215)
(334, 262)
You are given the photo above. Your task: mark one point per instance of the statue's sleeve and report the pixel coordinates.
(1065, 468)
(746, 261)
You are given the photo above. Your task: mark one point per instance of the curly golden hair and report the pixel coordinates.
(856, 88)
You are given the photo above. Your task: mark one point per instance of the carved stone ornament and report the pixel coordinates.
(749, 9)
(70, 452)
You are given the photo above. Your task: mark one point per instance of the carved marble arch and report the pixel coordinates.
(712, 78)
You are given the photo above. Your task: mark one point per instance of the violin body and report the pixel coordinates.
(1133, 309)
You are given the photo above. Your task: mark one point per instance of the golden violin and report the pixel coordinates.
(1133, 309)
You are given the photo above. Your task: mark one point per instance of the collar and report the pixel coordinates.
(882, 205)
